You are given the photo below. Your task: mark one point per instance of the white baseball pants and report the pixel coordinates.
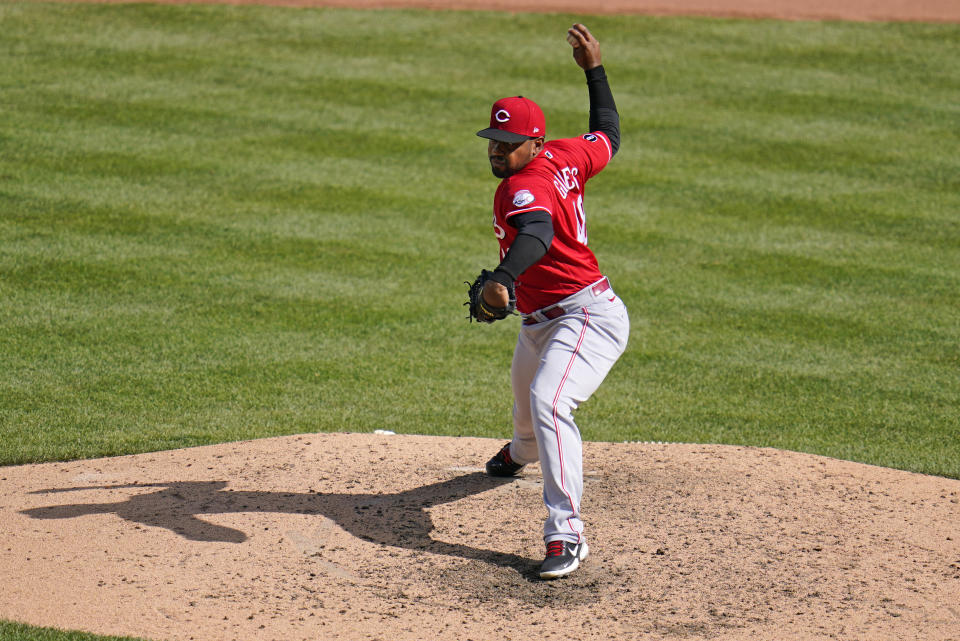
(557, 364)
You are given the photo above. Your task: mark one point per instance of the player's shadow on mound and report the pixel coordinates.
(398, 520)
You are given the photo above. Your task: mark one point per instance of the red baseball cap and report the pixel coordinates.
(514, 120)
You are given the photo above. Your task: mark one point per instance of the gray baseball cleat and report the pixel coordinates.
(502, 464)
(563, 558)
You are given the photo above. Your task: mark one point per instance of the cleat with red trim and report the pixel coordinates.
(502, 464)
(563, 557)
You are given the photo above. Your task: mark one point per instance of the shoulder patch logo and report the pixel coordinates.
(590, 137)
(522, 197)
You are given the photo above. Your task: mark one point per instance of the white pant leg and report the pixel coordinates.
(526, 359)
(577, 351)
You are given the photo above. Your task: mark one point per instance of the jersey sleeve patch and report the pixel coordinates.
(523, 198)
(601, 137)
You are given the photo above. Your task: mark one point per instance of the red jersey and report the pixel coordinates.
(553, 182)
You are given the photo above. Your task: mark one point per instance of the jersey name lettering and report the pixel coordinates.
(566, 181)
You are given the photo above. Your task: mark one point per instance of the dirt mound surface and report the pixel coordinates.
(367, 536)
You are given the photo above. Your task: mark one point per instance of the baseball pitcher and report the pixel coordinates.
(574, 327)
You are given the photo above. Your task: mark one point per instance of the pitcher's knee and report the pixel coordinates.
(540, 405)
(548, 409)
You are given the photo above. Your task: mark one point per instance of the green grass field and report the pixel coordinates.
(19, 632)
(224, 223)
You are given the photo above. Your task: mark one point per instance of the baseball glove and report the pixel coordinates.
(480, 309)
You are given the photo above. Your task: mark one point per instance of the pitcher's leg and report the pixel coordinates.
(523, 448)
(553, 399)
(578, 357)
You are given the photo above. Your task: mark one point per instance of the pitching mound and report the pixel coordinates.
(365, 536)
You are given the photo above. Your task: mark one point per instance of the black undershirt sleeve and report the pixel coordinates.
(534, 235)
(603, 110)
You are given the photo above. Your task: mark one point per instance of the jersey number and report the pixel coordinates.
(500, 234)
(581, 220)
(498, 230)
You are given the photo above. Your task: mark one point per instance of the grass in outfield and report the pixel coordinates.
(18, 632)
(226, 223)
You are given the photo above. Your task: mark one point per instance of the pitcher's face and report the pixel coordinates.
(507, 158)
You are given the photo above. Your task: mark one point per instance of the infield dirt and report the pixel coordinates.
(366, 536)
(402, 538)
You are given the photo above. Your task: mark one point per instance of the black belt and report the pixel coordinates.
(555, 311)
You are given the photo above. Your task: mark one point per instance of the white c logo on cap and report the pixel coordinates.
(502, 116)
